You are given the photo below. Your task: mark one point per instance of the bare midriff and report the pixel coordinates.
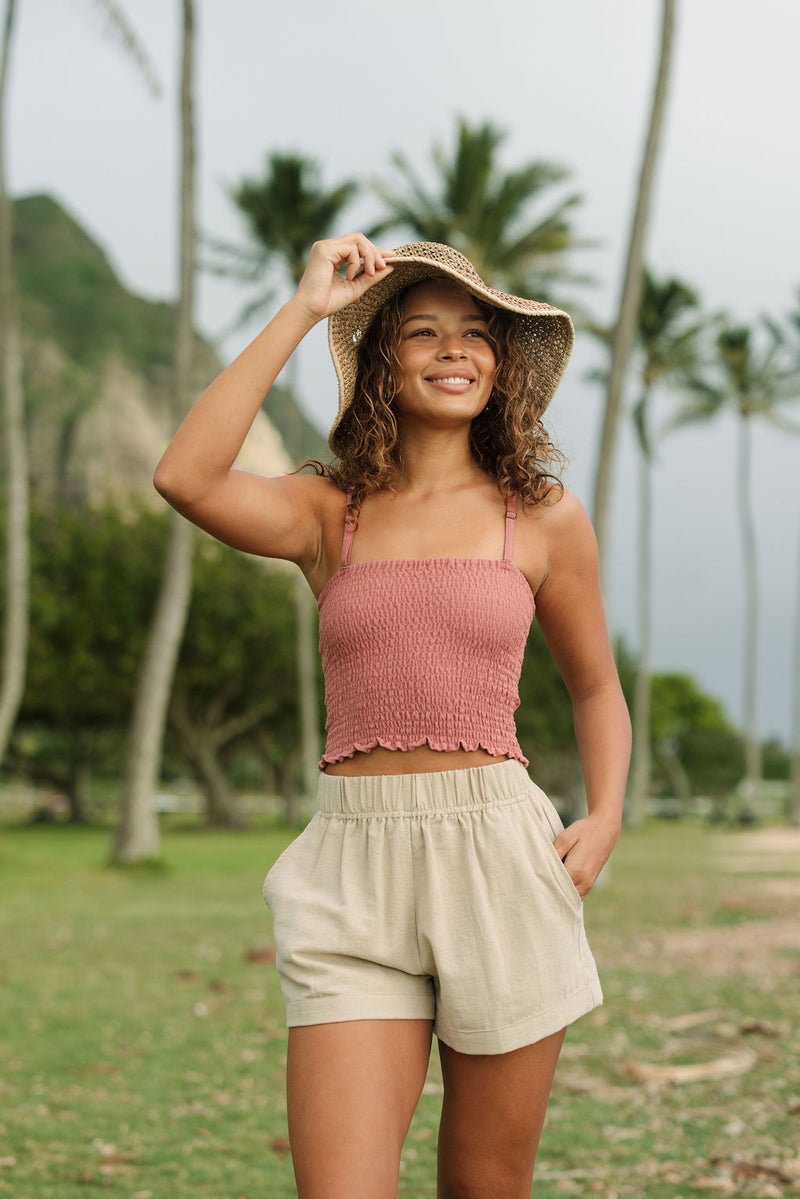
(422, 760)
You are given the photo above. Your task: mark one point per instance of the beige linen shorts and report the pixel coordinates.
(433, 896)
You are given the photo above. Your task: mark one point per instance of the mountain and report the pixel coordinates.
(98, 370)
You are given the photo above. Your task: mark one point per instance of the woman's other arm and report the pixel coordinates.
(570, 612)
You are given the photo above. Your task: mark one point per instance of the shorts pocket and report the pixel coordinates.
(552, 826)
(282, 859)
(570, 888)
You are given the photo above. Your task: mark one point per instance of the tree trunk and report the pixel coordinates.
(17, 582)
(630, 299)
(137, 837)
(752, 747)
(794, 799)
(200, 749)
(69, 783)
(640, 771)
(676, 775)
(79, 776)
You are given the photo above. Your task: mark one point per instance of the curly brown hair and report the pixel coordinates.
(508, 439)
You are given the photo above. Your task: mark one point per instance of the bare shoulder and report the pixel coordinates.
(561, 518)
(567, 536)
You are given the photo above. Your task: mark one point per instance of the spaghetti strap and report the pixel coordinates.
(511, 516)
(349, 530)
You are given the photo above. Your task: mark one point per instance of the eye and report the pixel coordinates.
(423, 333)
(475, 333)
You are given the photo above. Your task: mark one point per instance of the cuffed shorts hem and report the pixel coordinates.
(335, 1009)
(524, 1032)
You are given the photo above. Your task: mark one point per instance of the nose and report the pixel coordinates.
(451, 347)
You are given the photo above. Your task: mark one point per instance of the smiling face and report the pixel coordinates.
(446, 360)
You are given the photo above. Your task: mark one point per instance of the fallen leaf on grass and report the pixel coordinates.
(763, 1028)
(722, 1184)
(786, 1171)
(221, 988)
(728, 1066)
(265, 956)
(690, 1020)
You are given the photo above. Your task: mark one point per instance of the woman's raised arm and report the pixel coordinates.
(277, 518)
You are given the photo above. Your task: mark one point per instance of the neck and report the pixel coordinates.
(438, 460)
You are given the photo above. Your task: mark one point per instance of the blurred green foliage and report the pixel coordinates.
(94, 580)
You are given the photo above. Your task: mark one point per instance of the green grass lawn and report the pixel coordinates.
(143, 1043)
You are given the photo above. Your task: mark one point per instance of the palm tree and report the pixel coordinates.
(629, 303)
(794, 802)
(15, 633)
(668, 351)
(136, 836)
(487, 214)
(15, 629)
(288, 209)
(752, 381)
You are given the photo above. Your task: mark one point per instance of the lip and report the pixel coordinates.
(440, 376)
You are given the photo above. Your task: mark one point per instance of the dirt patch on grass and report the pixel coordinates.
(769, 949)
(759, 852)
(757, 931)
(762, 840)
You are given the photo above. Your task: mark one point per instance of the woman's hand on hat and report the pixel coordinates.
(323, 289)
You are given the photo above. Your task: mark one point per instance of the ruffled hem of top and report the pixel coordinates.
(441, 746)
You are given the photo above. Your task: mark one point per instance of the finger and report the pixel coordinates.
(353, 263)
(382, 253)
(370, 256)
(563, 844)
(365, 282)
(374, 257)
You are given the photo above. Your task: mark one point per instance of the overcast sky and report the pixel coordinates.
(349, 83)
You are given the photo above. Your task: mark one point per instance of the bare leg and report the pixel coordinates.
(352, 1089)
(492, 1116)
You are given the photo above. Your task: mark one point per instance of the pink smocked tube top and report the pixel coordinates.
(418, 651)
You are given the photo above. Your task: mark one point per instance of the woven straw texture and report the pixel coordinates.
(545, 333)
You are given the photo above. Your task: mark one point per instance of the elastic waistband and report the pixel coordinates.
(411, 794)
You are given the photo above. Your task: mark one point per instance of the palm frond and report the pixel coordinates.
(119, 29)
(484, 212)
(640, 423)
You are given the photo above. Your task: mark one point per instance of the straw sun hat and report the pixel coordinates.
(545, 333)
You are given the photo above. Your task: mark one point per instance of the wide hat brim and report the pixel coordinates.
(545, 333)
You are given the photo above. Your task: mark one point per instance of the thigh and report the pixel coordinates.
(352, 1088)
(492, 1116)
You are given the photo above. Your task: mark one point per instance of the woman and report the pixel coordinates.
(436, 889)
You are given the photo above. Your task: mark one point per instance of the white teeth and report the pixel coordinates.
(452, 379)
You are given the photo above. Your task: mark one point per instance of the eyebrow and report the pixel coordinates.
(431, 316)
